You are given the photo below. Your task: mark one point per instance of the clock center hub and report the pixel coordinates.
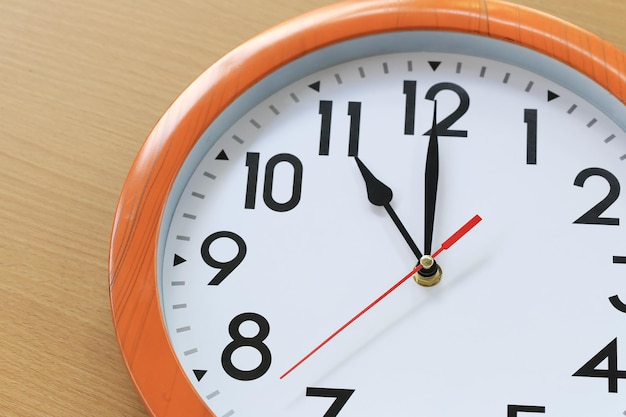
(430, 274)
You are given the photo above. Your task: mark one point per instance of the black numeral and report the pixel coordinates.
(530, 118)
(326, 111)
(617, 303)
(512, 410)
(443, 127)
(226, 267)
(255, 342)
(593, 215)
(410, 90)
(611, 373)
(615, 300)
(252, 162)
(354, 111)
(341, 398)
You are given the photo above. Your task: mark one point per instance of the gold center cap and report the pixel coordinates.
(430, 274)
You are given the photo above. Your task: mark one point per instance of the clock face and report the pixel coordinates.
(281, 242)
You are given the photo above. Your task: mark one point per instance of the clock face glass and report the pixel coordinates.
(271, 244)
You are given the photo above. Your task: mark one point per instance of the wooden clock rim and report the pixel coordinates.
(137, 317)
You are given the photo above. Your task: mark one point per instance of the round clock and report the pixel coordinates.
(383, 208)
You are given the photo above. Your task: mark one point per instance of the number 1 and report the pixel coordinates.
(530, 118)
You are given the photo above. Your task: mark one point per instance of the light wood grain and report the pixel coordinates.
(81, 85)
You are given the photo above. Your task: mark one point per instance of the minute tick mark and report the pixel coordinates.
(213, 395)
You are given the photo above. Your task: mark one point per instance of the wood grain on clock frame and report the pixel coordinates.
(136, 309)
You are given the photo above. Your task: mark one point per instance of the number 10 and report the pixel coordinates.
(252, 162)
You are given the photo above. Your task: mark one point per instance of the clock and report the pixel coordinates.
(383, 208)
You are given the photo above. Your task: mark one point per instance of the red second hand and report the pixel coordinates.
(446, 245)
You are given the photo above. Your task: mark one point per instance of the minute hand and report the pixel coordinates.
(380, 195)
(431, 179)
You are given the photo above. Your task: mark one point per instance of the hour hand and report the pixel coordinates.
(379, 194)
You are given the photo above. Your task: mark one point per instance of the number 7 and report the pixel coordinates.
(341, 398)
(514, 409)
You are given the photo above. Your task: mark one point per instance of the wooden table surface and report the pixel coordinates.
(81, 85)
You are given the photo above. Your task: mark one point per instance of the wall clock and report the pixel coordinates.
(383, 208)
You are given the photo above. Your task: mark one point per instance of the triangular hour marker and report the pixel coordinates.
(316, 86)
(434, 64)
(178, 260)
(199, 374)
(552, 95)
(222, 156)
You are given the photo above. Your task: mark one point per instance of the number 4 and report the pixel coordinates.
(612, 373)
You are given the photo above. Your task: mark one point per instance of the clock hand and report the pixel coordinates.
(431, 273)
(431, 179)
(447, 244)
(380, 194)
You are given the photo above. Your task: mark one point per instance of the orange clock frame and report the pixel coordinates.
(135, 304)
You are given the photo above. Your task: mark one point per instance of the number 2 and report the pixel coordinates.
(593, 215)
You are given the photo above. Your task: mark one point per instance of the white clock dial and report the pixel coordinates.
(270, 243)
